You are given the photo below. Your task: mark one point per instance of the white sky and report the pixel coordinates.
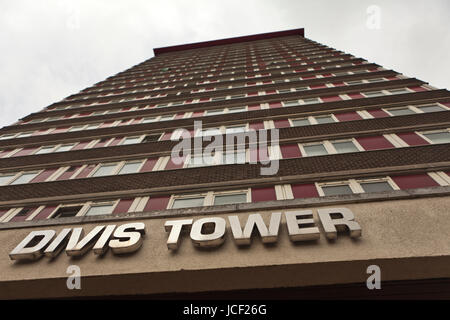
(51, 49)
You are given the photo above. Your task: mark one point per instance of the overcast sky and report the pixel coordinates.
(51, 49)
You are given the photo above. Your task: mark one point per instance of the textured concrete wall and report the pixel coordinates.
(408, 239)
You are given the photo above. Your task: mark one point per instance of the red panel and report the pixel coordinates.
(258, 154)
(275, 105)
(22, 218)
(44, 175)
(24, 152)
(107, 124)
(263, 194)
(348, 116)
(331, 98)
(101, 143)
(355, 95)
(254, 107)
(290, 151)
(81, 145)
(338, 84)
(374, 143)
(204, 99)
(414, 181)
(166, 136)
(68, 173)
(304, 191)
(149, 164)
(5, 152)
(447, 104)
(317, 86)
(115, 142)
(412, 139)
(251, 94)
(270, 91)
(123, 206)
(39, 132)
(83, 114)
(417, 89)
(282, 123)
(171, 165)
(257, 125)
(44, 213)
(197, 114)
(309, 77)
(378, 113)
(85, 172)
(157, 203)
(179, 115)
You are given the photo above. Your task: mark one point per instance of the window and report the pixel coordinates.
(237, 109)
(76, 128)
(400, 111)
(430, 108)
(375, 80)
(25, 178)
(438, 137)
(24, 134)
(7, 136)
(149, 120)
(230, 198)
(311, 100)
(151, 138)
(97, 209)
(131, 140)
(376, 186)
(324, 119)
(63, 148)
(336, 190)
(234, 157)
(166, 118)
(47, 149)
(67, 211)
(130, 167)
(354, 82)
(211, 132)
(344, 146)
(214, 112)
(235, 129)
(291, 103)
(372, 94)
(105, 170)
(188, 202)
(315, 149)
(399, 91)
(300, 122)
(238, 96)
(6, 178)
(92, 126)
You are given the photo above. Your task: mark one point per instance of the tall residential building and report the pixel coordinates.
(351, 188)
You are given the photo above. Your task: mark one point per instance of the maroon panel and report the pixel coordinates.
(282, 123)
(257, 126)
(197, 114)
(417, 89)
(24, 152)
(115, 142)
(259, 154)
(290, 151)
(309, 77)
(355, 95)
(263, 194)
(317, 86)
(85, 172)
(270, 91)
(123, 206)
(412, 139)
(68, 173)
(148, 165)
(107, 124)
(157, 203)
(338, 84)
(5, 152)
(39, 132)
(171, 165)
(166, 136)
(378, 113)
(304, 191)
(254, 107)
(414, 181)
(179, 115)
(348, 116)
(204, 99)
(3, 211)
(44, 213)
(22, 218)
(251, 94)
(275, 105)
(331, 98)
(59, 130)
(81, 145)
(44, 175)
(374, 143)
